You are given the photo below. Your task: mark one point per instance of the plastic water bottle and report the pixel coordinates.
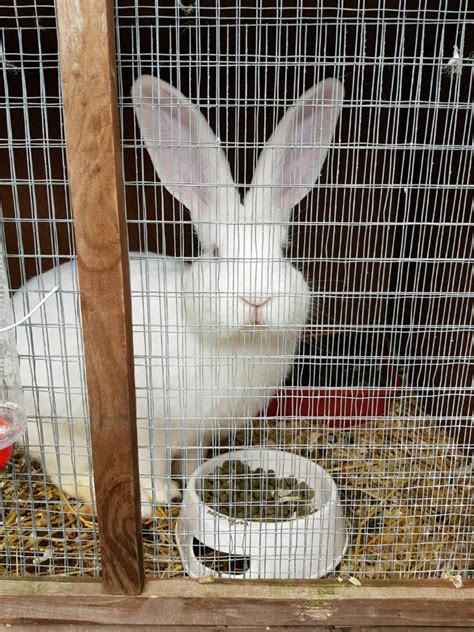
(12, 412)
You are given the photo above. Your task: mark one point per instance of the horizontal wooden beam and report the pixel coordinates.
(73, 627)
(251, 605)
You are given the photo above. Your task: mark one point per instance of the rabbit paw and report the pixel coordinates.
(79, 486)
(167, 490)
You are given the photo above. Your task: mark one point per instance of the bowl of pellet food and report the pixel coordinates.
(261, 514)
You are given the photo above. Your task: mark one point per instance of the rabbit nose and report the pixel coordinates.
(256, 301)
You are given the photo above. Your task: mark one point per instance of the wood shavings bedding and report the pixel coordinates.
(406, 488)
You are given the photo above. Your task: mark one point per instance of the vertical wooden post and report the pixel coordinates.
(88, 74)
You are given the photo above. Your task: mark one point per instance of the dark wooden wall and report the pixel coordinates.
(434, 201)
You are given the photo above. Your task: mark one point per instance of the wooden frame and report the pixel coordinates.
(88, 75)
(87, 55)
(179, 604)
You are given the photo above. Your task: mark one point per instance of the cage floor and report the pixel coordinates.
(406, 488)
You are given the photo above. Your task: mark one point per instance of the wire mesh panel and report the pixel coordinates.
(44, 529)
(298, 205)
(371, 379)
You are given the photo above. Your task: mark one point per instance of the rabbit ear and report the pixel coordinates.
(291, 161)
(186, 155)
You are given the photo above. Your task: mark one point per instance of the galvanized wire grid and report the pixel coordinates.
(404, 482)
(38, 521)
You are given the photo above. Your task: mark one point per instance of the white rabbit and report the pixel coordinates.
(212, 339)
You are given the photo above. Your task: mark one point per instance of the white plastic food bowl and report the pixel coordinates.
(307, 547)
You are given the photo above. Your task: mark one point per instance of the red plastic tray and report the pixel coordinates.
(340, 407)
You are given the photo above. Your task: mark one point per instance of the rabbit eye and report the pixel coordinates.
(215, 252)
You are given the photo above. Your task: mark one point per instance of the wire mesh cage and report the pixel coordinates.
(298, 199)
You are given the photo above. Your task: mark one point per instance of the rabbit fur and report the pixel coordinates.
(212, 339)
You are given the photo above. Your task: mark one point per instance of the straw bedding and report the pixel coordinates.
(406, 488)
